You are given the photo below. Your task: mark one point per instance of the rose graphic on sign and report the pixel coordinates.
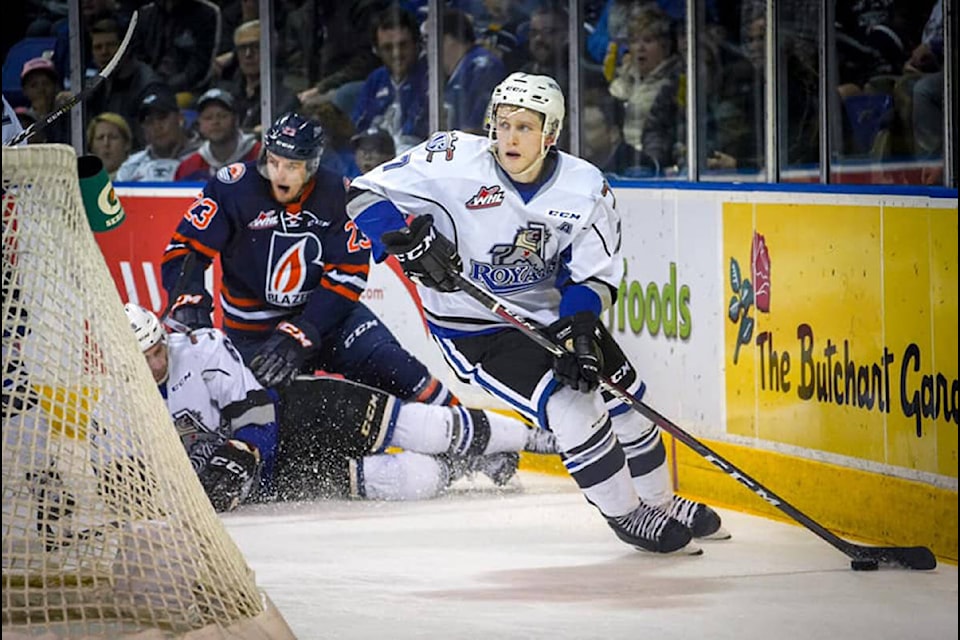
(746, 294)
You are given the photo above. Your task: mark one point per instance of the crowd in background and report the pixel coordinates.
(186, 100)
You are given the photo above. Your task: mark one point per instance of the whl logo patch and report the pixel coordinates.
(487, 197)
(265, 220)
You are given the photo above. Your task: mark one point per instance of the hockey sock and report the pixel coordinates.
(506, 433)
(424, 428)
(591, 452)
(646, 457)
(403, 476)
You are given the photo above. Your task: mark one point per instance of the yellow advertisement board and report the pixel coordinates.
(841, 330)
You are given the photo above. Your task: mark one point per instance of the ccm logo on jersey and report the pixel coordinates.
(231, 173)
(566, 215)
(296, 333)
(487, 197)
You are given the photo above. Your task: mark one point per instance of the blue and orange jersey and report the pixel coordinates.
(304, 258)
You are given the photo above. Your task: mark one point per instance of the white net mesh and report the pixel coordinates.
(106, 529)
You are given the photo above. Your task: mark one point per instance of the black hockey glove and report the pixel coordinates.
(231, 474)
(193, 310)
(283, 354)
(581, 366)
(425, 255)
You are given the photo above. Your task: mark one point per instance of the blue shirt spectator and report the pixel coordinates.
(472, 73)
(394, 96)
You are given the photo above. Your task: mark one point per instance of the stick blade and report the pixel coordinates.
(917, 558)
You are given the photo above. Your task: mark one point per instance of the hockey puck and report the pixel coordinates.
(864, 564)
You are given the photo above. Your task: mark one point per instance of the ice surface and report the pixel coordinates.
(536, 561)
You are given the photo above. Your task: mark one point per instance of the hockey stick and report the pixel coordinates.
(79, 97)
(186, 270)
(863, 558)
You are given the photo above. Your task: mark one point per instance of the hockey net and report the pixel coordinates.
(106, 530)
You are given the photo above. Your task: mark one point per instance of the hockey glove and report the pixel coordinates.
(193, 310)
(581, 366)
(231, 474)
(426, 256)
(283, 354)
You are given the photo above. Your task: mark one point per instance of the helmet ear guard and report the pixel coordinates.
(294, 137)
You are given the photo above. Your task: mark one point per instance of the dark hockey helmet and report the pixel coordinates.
(294, 137)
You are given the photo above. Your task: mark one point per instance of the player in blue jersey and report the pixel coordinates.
(294, 266)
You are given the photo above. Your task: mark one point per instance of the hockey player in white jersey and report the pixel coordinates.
(539, 229)
(317, 437)
(11, 123)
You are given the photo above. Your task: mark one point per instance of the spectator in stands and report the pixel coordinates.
(394, 96)
(110, 139)
(167, 142)
(471, 71)
(801, 131)
(179, 39)
(122, 92)
(646, 82)
(41, 86)
(337, 155)
(371, 148)
(224, 142)
(603, 145)
(245, 86)
(346, 53)
(501, 32)
(40, 83)
(233, 13)
(547, 45)
(927, 91)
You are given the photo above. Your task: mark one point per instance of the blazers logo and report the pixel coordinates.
(231, 173)
(487, 197)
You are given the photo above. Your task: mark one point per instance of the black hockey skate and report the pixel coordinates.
(650, 529)
(704, 522)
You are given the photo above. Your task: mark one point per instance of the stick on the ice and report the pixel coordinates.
(862, 557)
(77, 98)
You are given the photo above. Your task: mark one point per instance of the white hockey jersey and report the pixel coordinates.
(524, 253)
(207, 375)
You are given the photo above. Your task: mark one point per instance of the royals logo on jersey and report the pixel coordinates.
(519, 265)
(294, 260)
(190, 428)
(487, 197)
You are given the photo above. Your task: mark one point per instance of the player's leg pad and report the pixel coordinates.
(334, 414)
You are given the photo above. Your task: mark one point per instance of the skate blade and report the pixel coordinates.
(690, 549)
(719, 534)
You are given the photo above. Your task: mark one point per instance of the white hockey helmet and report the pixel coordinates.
(145, 326)
(536, 93)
